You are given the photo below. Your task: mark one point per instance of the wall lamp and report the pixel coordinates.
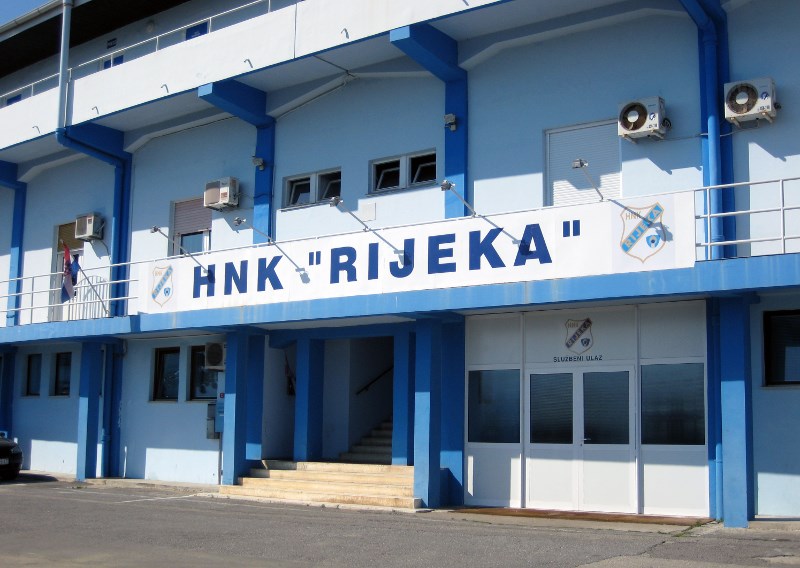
(450, 122)
(338, 202)
(259, 162)
(304, 277)
(185, 252)
(583, 165)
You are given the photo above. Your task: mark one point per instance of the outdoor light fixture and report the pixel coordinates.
(258, 162)
(581, 164)
(304, 277)
(158, 230)
(450, 122)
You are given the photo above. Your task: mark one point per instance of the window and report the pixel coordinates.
(33, 379)
(782, 348)
(165, 381)
(597, 144)
(203, 381)
(63, 374)
(191, 227)
(313, 188)
(494, 407)
(113, 61)
(673, 404)
(551, 408)
(14, 99)
(404, 171)
(196, 30)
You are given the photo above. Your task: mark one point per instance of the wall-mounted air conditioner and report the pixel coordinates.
(750, 100)
(215, 357)
(221, 194)
(642, 118)
(89, 227)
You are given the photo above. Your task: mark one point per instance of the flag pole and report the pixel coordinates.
(89, 282)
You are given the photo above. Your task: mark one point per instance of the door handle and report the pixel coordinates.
(587, 439)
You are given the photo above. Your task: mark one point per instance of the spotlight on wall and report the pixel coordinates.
(258, 162)
(583, 165)
(450, 122)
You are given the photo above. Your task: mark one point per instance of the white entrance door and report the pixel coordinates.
(580, 440)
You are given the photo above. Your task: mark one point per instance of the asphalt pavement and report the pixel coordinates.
(55, 522)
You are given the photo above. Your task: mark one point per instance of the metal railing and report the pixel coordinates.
(151, 45)
(764, 210)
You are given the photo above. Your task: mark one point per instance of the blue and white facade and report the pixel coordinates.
(555, 243)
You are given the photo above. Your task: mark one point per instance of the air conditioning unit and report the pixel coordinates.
(642, 118)
(215, 357)
(221, 194)
(750, 100)
(89, 227)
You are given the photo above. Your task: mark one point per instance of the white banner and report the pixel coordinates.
(612, 237)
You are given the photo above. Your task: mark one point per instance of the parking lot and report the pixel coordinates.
(50, 522)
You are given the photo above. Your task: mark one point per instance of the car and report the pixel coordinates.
(10, 459)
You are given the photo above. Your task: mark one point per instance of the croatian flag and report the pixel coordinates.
(70, 276)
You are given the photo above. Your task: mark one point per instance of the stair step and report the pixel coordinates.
(365, 449)
(370, 458)
(331, 487)
(322, 497)
(380, 478)
(376, 442)
(402, 470)
(378, 433)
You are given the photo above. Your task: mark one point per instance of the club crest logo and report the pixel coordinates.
(579, 336)
(643, 233)
(162, 285)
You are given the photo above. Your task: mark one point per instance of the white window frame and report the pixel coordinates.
(406, 177)
(175, 248)
(317, 187)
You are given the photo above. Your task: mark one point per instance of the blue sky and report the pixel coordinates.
(10, 9)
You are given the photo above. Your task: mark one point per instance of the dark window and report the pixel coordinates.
(551, 408)
(165, 382)
(422, 168)
(34, 377)
(204, 381)
(386, 175)
(299, 191)
(673, 404)
(193, 242)
(782, 347)
(63, 374)
(197, 30)
(113, 62)
(330, 185)
(494, 406)
(14, 99)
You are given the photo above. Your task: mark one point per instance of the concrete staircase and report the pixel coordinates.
(339, 483)
(376, 447)
(363, 476)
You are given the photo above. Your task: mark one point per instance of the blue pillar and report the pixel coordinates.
(234, 462)
(91, 372)
(427, 413)
(403, 399)
(713, 405)
(453, 400)
(112, 399)
(255, 396)
(308, 399)
(8, 178)
(7, 389)
(736, 411)
(438, 53)
(250, 104)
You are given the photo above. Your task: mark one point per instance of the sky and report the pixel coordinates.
(10, 9)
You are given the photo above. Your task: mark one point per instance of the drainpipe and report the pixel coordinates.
(63, 80)
(711, 117)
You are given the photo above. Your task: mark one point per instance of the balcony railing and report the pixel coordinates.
(767, 218)
(152, 45)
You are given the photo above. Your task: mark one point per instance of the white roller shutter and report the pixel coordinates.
(596, 143)
(191, 217)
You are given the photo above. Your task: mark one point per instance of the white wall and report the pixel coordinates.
(369, 119)
(520, 93)
(164, 440)
(776, 421)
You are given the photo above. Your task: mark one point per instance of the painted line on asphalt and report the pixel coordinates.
(157, 498)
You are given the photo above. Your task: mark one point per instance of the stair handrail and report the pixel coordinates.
(375, 380)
